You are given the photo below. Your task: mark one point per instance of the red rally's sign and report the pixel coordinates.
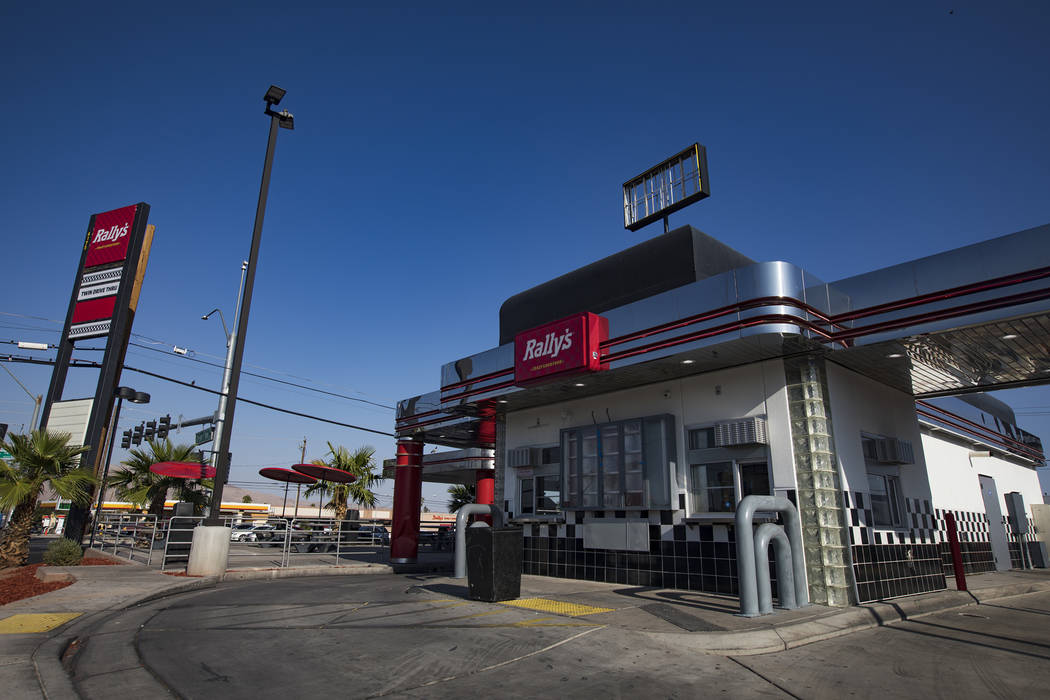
(108, 241)
(559, 349)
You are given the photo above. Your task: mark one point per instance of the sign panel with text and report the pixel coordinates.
(560, 349)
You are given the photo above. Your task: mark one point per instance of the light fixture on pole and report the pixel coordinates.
(283, 120)
(36, 399)
(121, 394)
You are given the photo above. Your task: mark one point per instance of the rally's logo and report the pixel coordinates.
(552, 344)
(109, 236)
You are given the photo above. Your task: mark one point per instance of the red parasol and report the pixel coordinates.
(183, 470)
(319, 471)
(282, 474)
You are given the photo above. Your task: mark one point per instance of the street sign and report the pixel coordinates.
(4, 454)
(203, 436)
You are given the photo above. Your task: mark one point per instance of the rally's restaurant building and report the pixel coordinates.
(630, 404)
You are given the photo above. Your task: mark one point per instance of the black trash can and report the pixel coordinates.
(494, 563)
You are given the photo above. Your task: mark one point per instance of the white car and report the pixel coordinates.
(244, 532)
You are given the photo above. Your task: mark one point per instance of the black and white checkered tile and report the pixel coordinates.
(919, 516)
(971, 525)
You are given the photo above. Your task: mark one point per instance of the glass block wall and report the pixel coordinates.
(824, 532)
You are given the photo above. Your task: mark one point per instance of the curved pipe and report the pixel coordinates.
(462, 514)
(765, 534)
(745, 549)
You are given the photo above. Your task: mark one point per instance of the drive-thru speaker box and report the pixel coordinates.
(494, 563)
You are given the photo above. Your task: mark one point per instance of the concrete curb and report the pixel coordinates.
(850, 620)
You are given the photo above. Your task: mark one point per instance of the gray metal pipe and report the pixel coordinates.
(765, 534)
(462, 514)
(745, 549)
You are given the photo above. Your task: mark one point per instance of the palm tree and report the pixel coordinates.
(359, 463)
(41, 459)
(459, 495)
(136, 483)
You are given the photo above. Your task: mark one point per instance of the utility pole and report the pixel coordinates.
(302, 458)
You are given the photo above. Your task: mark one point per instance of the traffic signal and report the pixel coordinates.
(151, 429)
(163, 427)
(136, 435)
(3, 430)
(125, 442)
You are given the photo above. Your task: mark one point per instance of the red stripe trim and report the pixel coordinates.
(981, 431)
(996, 283)
(478, 379)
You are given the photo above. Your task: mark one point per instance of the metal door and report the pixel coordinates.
(996, 530)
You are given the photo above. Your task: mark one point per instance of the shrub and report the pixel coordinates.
(63, 552)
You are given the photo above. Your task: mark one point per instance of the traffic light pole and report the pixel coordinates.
(105, 474)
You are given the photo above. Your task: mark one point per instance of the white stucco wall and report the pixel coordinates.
(953, 476)
(740, 392)
(861, 405)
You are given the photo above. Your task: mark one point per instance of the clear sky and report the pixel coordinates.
(447, 157)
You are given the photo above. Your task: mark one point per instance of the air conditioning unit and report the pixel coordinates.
(749, 431)
(893, 451)
(523, 457)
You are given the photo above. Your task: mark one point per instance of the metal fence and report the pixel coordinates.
(178, 536)
(131, 536)
(284, 543)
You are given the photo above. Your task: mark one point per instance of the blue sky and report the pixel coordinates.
(445, 158)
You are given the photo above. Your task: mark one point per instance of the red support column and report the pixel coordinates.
(485, 491)
(408, 492)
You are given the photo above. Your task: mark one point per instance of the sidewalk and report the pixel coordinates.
(37, 632)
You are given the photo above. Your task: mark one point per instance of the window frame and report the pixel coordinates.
(891, 476)
(736, 457)
(655, 434)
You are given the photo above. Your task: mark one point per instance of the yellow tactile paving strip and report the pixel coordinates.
(557, 607)
(30, 623)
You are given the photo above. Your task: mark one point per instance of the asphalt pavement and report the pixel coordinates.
(129, 631)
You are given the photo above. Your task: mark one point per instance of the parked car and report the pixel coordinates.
(373, 534)
(264, 533)
(243, 532)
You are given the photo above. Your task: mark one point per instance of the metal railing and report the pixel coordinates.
(294, 542)
(178, 539)
(130, 536)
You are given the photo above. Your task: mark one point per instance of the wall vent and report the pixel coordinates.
(523, 457)
(893, 451)
(749, 431)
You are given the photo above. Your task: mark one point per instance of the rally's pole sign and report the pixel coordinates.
(105, 294)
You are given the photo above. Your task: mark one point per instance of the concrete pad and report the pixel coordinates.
(105, 653)
(30, 623)
(133, 684)
(54, 574)
(18, 680)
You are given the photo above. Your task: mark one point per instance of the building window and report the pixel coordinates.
(525, 489)
(885, 500)
(548, 494)
(618, 465)
(716, 487)
(540, 495)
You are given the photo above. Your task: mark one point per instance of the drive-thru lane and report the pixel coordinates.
(404, 636)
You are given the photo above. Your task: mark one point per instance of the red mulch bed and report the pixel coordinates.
(99, 561)
(23, 583)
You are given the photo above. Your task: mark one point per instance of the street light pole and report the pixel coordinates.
(227, 371)
(222, 446)
(36, 399)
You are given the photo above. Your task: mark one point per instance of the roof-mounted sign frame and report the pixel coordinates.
(666, 187)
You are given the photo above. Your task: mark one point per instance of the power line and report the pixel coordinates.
(263, 376)
(251, 374)
(191, 385)
(261, 404)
